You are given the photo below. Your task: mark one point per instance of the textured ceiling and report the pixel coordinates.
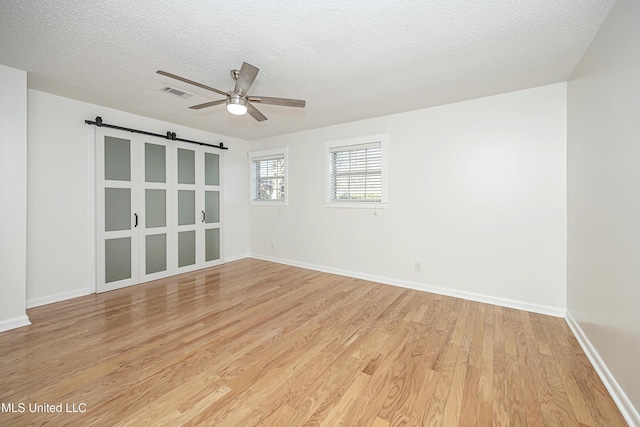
(348, 59)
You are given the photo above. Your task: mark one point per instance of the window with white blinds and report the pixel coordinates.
(356, 171)
(268, 175)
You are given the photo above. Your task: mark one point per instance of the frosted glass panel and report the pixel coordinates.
(117, 204)
(156, 253)
(186, 166)
(211, 169)
(155, 205)
(186, 207)
(212, 206)
(117, 259)
(155, 163)
(212, 244)
(117, 159)
(186, 248)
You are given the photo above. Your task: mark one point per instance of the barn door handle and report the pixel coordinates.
(135, 215)
(204, 216)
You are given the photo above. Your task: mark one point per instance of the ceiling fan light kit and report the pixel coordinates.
(237, 105)
(237, 101)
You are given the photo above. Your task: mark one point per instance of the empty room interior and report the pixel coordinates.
(332, 213)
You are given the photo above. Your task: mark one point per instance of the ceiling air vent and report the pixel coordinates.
(177, 92)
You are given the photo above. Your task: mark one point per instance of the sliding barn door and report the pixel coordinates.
(198, 213)
(158, 208)
(155, 211)
(117, 218)
(212, 218)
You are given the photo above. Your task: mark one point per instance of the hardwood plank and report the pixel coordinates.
(420, 409)
(339, 411)
(257, 343)
(515, 400)
(558, 391)
(500, 409)
(548, 412)
(435, 414)
(411, 374)
(379, 422)
(451, 413)
(469, 405)
(527, 374)
(485, 385)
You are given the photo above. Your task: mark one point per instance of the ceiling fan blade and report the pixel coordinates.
(208, 104)
(278, 101)
(245, 79)
(255, 113)
(191, 82)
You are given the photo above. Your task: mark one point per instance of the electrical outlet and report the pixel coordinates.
(273, 245)
(418, 266)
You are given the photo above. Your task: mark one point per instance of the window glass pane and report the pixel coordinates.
(155, 202)
(117, 159)
(117, 259)
(155, 253)
(212, 244)
(356, 173)
(211, 169)
(186, 166)
(155, 163)
(268, 179)
(212, 206)
(186, 207)
(186, 248)
(117, 209)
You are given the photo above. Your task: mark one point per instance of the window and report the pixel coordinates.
(268, 176)
(356, 172)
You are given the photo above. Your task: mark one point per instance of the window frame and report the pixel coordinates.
(364, 140)
(269, 154)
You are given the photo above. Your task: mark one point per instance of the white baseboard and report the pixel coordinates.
(629, 413)
(236, 257)
(50, 299)
(16, 322)
(503, 302)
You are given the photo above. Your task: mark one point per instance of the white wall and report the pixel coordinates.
(604, 203)
(13, 197)
(61, 185)
(477, 194)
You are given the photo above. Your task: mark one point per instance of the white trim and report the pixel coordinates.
(629, 413)
(487, 299)
(16, 322)
(357, 205)
(357, 140)
(93, 274)
(63, 296)
(270, 202)
(373, 143)
(268, 153)
(236, 257)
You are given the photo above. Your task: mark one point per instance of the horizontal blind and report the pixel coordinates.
(356, 173)
(268, 179)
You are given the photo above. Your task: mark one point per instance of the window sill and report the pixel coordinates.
(356, 205)
(268, 202)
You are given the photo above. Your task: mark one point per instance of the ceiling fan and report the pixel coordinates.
(237, 100)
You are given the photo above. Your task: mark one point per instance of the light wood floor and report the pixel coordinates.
(255, 343)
